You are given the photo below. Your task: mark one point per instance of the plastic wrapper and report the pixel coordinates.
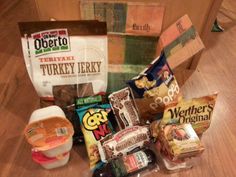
(123, 142)
(197, 111)
(137, 163)
(179, 142)
(124, 108)
(65, 53)
(156, 86)
(95, 125)
(95, 99)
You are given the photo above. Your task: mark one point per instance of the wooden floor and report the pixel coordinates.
(216, 72)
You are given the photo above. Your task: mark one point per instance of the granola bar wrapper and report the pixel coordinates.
(124, 108)
(95, 125)
(178, 142)
(197, 111)
(154, 88)
(123, 142)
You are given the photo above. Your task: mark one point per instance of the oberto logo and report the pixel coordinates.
(51, 41)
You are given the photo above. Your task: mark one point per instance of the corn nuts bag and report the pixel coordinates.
(95, 126)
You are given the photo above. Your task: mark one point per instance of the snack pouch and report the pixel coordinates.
(65, 53)
(95, 126)
(156, 86)
(124, 142)
(197, 111)
(178, 142)
(123, 106)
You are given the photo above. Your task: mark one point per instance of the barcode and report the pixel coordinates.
(61, 131)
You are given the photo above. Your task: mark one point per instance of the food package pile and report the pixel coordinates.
(127, 128)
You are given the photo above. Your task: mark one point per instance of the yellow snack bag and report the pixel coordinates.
(95, 127)
(197, 111)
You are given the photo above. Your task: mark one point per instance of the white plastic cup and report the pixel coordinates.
(45, 113)
(54, 152)
(50, 163)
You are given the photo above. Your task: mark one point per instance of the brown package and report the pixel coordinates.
(124, 108)
(178, 142)
(123, 142)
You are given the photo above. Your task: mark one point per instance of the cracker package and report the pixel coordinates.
(179, 142)
(65, 53)
(124, 108)
(156, 86)
(95, 126)
(197, 111)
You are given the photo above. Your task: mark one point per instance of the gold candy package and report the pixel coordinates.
(197, 111)
(95, 126)
(155, 87)
(178, 142)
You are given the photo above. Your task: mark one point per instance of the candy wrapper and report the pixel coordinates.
(156, 86)
(124, 108)
(95, 126)
(123, 142)
(197, 111)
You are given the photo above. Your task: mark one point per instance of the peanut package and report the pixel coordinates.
(95, 125)
(197, 111)
(155, 87)
(65, 53)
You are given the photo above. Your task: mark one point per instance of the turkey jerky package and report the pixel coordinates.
(65, 53)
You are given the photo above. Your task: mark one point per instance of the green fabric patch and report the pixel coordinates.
(140, 49)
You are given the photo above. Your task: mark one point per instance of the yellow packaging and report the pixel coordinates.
(95, 127)
(197, 111)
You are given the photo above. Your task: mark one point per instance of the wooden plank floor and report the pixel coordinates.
(216, 72)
